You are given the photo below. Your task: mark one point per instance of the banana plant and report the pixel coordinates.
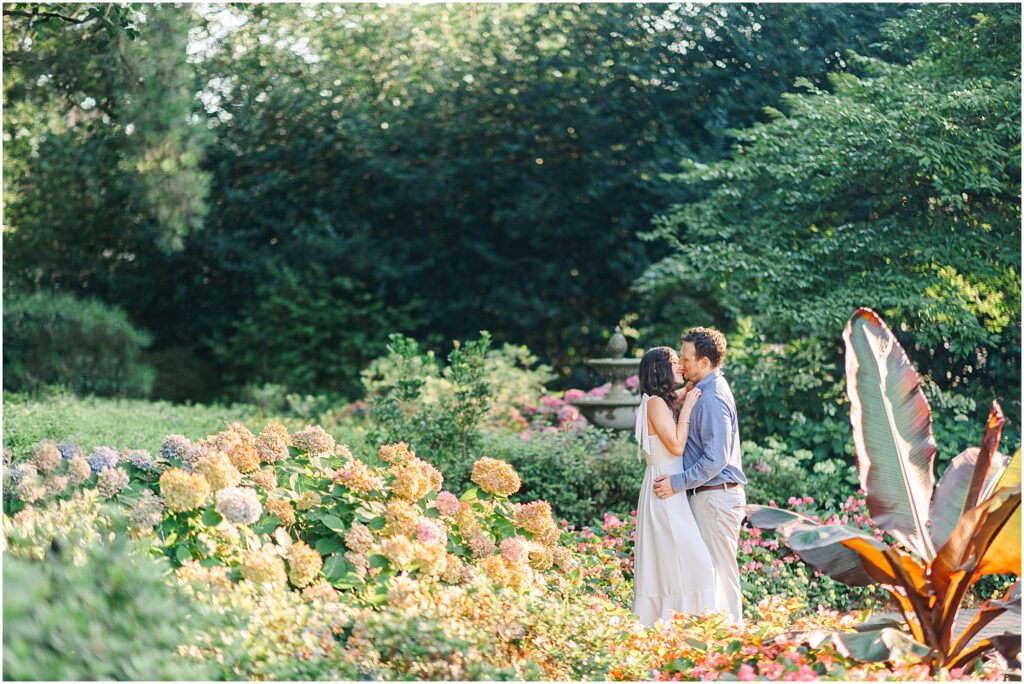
(948, 535)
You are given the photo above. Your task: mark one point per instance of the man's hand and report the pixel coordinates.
(663, 487)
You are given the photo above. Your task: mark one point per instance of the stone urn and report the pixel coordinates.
(617, 409)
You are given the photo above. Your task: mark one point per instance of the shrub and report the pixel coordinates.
(85, 345)
(111, 616)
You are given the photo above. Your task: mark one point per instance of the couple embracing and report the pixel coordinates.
(691, 501)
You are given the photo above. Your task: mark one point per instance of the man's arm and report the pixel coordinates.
(716, 428)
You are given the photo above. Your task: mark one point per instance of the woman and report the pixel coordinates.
(672, 568)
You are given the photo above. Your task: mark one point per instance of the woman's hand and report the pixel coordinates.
(688, 403)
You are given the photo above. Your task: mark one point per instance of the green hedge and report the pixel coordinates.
(84, 345)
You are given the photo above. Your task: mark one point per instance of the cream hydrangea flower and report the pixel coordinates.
(304, 564)
(495, 477)
(46, 456)
(239, 505)
(410, 481)
(218, 471)
(78, 470)
(264, 567)
(282, 509)
(183, 491)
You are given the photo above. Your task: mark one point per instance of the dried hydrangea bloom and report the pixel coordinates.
(264, 567)
(102, 457)
(400, 517)
(240, 446)
(343, 451)
(429, 532)
(147, 512)
(514, 549)
(265, 478)
(140, 458)
(68, 449)
(282, 509)
(395, 454)
(359, 561)
(455, 571)
(78, 470)
(433, 475)
(399, 550)
(431, 559)
(358, 477)
(321, 590)
(465, 517)
(563, 558)
(218, 471)
(174, 447)
(307, 500)
(520, 576)
(55, 484)
(495, 477)
(541, 558)
(410, 482)
(46, 456)
(215, 577)
(272, 444)
(402, 592)
(195, 454)
(314, 440)
(480, 542)
(183, 491)
(537, 519)
(359, 538)
(239, 505)
(496, 568)
(30, 490)
(304, 564)
(447, 504)
(111, 481)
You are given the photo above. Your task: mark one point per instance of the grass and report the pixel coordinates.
(133, 424)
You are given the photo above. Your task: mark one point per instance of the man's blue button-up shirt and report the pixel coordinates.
(712, 453)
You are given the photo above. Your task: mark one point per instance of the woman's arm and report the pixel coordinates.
(673, 433)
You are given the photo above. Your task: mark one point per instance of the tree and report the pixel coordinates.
(900, 190)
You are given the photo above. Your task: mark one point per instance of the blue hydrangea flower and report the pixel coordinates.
(141, 459)
(102, 457)
(69, 450)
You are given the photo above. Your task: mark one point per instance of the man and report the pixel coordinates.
(712, 476)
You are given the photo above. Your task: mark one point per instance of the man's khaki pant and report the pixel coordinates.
(719, 514)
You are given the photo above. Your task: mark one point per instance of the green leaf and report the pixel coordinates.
(878, 645)
(328, 545)
(471, 494)
(333, 523)
(335, 567)
(171, 538)
(182, 553)
(892, 431)
(211, 518)
(378, 561)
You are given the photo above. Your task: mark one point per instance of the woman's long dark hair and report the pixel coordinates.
(656, 376)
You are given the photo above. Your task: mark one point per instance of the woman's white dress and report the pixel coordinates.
(672, 567)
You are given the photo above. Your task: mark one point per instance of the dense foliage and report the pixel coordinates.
(87, 346)
(899, 190)
(345, 152)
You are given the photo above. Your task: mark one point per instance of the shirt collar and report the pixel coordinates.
(708, 380)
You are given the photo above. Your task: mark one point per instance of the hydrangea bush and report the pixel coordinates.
(308, 561)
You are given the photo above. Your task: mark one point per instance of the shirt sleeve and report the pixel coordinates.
(716, 428)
